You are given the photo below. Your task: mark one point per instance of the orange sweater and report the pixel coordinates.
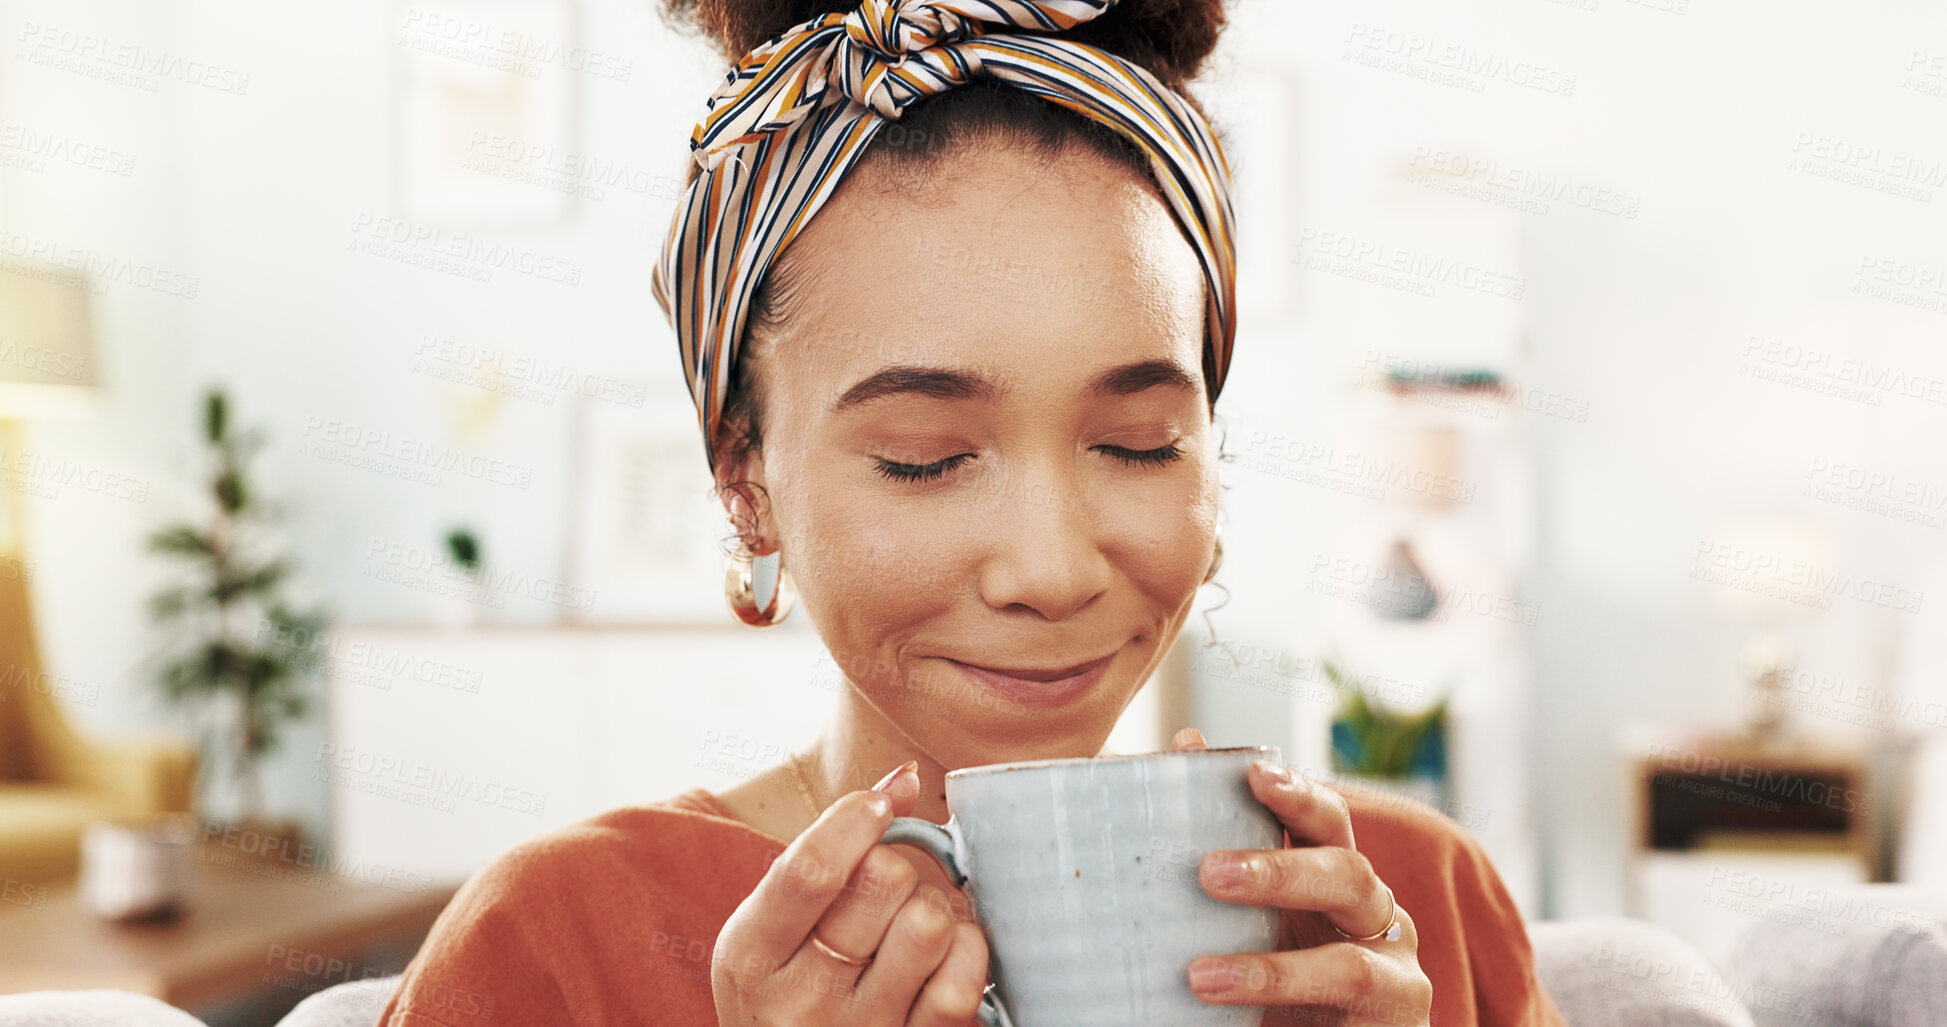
(611, 921)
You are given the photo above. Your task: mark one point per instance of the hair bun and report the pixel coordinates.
(1168, 38)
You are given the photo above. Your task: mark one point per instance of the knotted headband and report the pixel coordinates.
(795, 114)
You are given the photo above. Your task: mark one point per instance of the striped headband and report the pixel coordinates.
(795, 114)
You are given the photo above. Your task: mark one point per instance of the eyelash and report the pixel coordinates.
(927, 472)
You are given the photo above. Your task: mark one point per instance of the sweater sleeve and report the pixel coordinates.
(1507, 989)
(609, 922)
(1473, 943)
(486, 960)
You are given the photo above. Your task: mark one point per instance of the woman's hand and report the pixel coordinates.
(926, 964)
(1322, 882)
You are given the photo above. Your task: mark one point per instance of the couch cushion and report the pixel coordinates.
(41, 827)
(91, 1008)
(351, 1004)
(1872, 955)
(1612, 971)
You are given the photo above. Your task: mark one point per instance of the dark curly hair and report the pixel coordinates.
(1168, 38)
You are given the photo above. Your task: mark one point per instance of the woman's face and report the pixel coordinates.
(987, 443)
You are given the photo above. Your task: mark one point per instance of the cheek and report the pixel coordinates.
(1161, 532)
(863, 571)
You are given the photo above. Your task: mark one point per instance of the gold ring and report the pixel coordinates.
(835, 954)
(1390, 932)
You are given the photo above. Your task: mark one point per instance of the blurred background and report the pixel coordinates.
(1586, 478)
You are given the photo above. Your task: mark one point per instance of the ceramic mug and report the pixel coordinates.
(1084, 875)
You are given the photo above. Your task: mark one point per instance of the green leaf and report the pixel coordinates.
(230, 491)
(216, 416)
(182, 539)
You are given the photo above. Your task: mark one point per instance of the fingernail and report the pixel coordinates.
(885, 783)
(1274, 772)
(1227, 871)
(1211, 975)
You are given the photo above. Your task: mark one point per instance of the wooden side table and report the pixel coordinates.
(1725, 829)
(252, 925)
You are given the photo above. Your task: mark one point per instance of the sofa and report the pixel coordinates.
(1871, 956)
(53, 780)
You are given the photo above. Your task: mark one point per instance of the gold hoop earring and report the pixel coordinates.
(1216, 557)
(740, 589)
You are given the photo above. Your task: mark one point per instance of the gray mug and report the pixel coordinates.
(1083, 873)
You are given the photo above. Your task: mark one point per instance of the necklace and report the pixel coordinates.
(804, 783)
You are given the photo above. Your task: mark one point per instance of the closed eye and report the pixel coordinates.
(927, 472)
(921, 472)
(1144, 457)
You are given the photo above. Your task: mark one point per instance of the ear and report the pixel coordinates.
(740, 488)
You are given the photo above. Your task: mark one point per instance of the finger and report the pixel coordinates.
(811, 872)
(1327, 879)
(1312, 813)
(915, 942)
(952, 994)
(857, 921)
(1372, 984)
(1188, 739)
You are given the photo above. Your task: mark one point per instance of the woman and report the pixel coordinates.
(969, 405)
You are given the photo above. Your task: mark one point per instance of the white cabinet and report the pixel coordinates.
(447, 746)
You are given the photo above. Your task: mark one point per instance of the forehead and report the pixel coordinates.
(1020, 265)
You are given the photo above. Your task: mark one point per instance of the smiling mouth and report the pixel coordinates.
(1037, 686)
(1044, 676)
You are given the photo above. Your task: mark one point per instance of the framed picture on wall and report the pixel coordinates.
(483, 112)
(644, 534)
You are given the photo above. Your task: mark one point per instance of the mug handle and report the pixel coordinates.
(946, 847)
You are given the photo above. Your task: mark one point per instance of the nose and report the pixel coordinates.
(1045, 557)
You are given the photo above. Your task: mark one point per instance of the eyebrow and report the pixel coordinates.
(948, 383)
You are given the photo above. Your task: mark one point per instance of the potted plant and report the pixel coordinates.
(1401, 751)
(460, 606)
(234, 642)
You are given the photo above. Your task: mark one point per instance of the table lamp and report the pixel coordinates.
(1770, 581)
(46, 370)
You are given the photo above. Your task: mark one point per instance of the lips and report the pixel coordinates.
(1037, 686)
